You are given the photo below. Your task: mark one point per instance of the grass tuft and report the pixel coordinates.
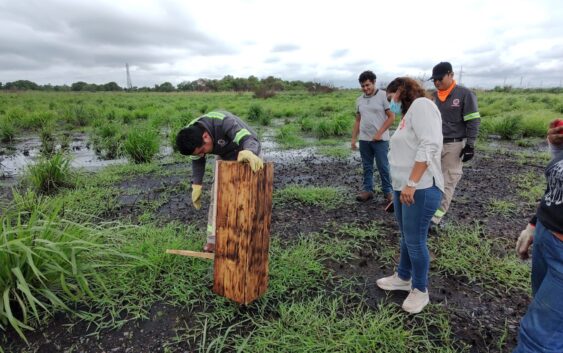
(325, 197)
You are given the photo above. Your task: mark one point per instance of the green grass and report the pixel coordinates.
(288, 137)
(51, 174)
(463, 251)
(324, 197)
(7, 130)
(530, 186)
(331, 325)
(501, 207)
(48, 264)
(141, 145)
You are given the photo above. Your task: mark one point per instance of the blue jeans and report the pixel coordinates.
(378, 150)
(541, 329)
(414, 221)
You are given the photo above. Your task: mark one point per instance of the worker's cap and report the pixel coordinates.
(441, 70)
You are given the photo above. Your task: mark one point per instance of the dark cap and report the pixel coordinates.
(441, 70)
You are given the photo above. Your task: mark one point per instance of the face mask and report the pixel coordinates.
(395, 107)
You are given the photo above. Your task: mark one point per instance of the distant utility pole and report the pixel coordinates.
(129, 85)
(460, 73)
(521, 78)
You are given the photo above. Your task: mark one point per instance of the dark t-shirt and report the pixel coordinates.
(550, 210)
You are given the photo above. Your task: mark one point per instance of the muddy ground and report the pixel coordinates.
(478, 318)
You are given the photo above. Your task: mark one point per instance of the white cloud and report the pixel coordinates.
(495, 42)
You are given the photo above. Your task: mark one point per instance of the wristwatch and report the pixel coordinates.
(412, 184)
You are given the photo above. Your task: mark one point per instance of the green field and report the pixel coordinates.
(72, 243)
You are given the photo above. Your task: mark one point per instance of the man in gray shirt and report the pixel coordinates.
(373, 119)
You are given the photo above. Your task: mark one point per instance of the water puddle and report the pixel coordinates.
(16, 157)
(25, 150)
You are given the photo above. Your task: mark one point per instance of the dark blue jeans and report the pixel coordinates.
(378, 150)
(414, 221)
(541, 329)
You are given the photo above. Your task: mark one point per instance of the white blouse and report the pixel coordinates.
(417, 139)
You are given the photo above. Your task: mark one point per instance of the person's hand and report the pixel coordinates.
(467, 153)
(196, 196)
(255, 162)
(377, 137)
(354, 146)
(524, 241)
(555, 132)
(407, 195)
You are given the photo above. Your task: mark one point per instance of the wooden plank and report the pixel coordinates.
(203, 255)
(243, 218)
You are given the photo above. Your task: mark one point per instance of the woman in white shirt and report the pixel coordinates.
(416, 176)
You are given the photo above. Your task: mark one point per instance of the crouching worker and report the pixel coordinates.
(225, 135)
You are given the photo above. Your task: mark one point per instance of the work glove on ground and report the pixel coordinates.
(255, 162)
(467, 153)
(196, 196)
(524, 241)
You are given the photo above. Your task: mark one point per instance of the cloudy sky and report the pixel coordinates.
(516, 42)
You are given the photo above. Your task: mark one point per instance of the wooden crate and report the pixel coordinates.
(243, 211)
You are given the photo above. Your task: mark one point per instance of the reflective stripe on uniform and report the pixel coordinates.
(242, 133)
(215, 115)
(439, 213)
(472, 116)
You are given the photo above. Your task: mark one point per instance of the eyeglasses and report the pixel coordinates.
(440, 79)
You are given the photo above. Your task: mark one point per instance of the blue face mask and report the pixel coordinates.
(395, 107)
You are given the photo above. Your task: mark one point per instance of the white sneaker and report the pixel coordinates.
(393, 283)
(416, 301)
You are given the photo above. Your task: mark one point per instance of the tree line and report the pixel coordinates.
(227, 83)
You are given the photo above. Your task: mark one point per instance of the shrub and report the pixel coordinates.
(255, 112)
(141, 145)
(263, 92)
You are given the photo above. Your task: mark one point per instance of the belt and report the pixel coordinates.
(453, 139)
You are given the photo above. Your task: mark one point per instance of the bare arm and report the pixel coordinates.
(386, 125)
(356, 130)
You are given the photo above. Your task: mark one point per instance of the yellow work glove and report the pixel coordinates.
(196, 196)
(255, 162)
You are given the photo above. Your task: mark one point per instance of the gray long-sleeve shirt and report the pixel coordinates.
(460, 114)
(230, 136)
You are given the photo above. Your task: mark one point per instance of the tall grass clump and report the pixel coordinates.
(141, 145)
(7, 130)
(107, 140)
(48, 265)
(257, 114)
(48, 142)
(288, 137)
(509, 127)
(50, 174)
(334, 126)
